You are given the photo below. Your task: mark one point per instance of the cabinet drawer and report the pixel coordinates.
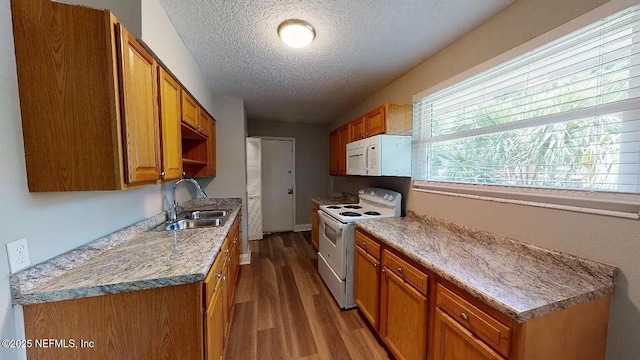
(368, 245)
(406, 272)
(482, 325)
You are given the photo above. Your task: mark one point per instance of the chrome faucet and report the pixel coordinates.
(172, 212)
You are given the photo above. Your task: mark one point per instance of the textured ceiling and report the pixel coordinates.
(360, 47)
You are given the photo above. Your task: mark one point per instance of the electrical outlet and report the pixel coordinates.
(18, 253)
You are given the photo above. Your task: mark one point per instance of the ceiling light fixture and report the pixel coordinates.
(296, 33)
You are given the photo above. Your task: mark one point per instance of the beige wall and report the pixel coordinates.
(612, 240)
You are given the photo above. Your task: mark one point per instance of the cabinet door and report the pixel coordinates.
(403, 318)
(190, 114)
(211, 144)
(209, 125)
(170, 126)
(452, 341)
(375, 122)
(141, 134)
(367, 286)
(315, 236)
(342, 151)
(334, 153)
(214, 333)
(225, 294)
(357, 129)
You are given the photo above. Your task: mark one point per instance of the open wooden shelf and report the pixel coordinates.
(189, 133)
(193, 162)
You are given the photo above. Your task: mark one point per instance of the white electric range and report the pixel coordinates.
(337, 238)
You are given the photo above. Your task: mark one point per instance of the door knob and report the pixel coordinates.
(289, 191)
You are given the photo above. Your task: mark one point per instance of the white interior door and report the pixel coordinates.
(277, 185)
(254, 188)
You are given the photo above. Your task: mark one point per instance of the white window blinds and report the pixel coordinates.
(564, 116)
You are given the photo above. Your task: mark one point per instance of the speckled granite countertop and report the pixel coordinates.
(520, 280)
(344, 199)
(134, 258)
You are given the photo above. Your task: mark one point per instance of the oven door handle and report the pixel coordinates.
(331, 222)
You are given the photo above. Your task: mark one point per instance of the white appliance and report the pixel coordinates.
(254, 187)
(336, 255)
(380, 155)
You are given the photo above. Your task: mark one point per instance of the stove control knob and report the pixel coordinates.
(386, 196)
(373, 193)
(390, 197)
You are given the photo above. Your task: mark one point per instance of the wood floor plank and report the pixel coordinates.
(294, 316)
(330, 329)
(362, 345)
(277, 257)
(297, 332)
(247, 288)
(286, 239)
(268, 297)
(271, 345)
(307, 285)
(243, 334)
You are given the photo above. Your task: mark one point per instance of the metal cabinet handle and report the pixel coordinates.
(400, 270)
(375, 265)
(184, 173)
(162, 174)
(383, 272)
(464, 316)
(218, 276)
(226, 251)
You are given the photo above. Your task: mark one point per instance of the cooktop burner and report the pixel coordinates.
(350, 213)
(353, 207)
(371, 213)
(333, 207)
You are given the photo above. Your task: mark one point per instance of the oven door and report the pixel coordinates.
(332, 243)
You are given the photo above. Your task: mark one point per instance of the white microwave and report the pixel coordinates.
(380, 155)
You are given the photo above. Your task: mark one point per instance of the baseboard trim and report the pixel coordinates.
(245, 259)
(302, 227)
(255, 237)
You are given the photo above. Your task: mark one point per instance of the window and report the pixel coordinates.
(564, 116)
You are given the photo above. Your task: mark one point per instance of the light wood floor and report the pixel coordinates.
(284, 311)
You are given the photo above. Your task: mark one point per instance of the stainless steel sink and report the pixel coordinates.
(204, 214)
(192, 224)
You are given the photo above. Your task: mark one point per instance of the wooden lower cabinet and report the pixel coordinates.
(214, 334)
(162, 323)
(453, 342)
(189, 321)
(422, 315)
(315, 226)
(403, 317)
(367, 286)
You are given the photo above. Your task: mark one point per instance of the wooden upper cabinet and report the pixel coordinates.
(393, 119)
(190, 109)
(375, 123)
(140, 128)
(334, 153)
(342, 149)
(209, 125)
(170, 114)
(357, 129)
(88, 99)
